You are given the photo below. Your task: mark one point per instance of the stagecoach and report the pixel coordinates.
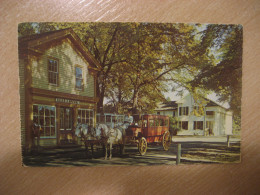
(148, 129)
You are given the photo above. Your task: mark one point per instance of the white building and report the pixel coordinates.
(203, 117)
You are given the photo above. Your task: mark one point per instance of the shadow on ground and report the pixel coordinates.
(191, 153)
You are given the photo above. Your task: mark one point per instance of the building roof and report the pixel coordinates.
(212, 103)
(35, 41)
(173, 105)
(170, 105)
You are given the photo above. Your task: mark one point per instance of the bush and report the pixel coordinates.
(173, 125)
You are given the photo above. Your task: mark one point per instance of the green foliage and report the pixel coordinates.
(173, 125)
(236, 124)
(224, 77)
(139, 60)
(25, 29)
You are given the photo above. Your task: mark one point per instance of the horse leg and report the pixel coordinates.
(105, 151)
(122, 148)
(86, 147)
(92, 149)
(110, 156)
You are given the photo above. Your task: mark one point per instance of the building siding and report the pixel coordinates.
(221, 120)
(68, 59)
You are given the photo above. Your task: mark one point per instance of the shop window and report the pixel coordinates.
(86, 116)
(53, 73)
(45, 116)
(198, 125)
(183, 111)
(79, 78)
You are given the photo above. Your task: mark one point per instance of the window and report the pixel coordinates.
(183, 111)
(45, 116)
(144, 123)
(151, 123)
(198, 125)
(161, 122)
(166, 122)
(79, 78)
(183, 125)
(53, 73)
(86, 116)
(210, 113)
(157, 122)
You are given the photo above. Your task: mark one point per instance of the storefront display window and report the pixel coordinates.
(86, 116)
(45, 116)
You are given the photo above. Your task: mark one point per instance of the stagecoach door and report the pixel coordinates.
(66, 123)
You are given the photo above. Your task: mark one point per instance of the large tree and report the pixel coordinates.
(158, 53)
(224, 77)
(138, 60)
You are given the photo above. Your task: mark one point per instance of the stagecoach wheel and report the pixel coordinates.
(142, 146)
(166, 141)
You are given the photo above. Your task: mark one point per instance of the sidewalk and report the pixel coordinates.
(204, 139)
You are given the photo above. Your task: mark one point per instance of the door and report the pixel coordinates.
(66, 124)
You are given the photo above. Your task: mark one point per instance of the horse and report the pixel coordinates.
(110, 136)
(122, 127)
(101, 134)
(85, 132)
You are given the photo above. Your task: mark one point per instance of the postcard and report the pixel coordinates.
(122, 94)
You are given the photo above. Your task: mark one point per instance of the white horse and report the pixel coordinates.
(81, 130)
(103, 134)
(110, 136)
(122, 127)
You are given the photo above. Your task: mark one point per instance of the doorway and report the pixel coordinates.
(66, 125)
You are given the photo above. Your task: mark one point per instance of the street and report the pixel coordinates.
(192, 152)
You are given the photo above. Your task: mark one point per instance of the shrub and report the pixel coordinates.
(173, 125)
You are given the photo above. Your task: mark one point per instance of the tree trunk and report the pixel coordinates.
(100, 107)
(135, 101)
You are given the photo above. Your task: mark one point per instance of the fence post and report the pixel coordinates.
(228, 141)
(178, 156)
